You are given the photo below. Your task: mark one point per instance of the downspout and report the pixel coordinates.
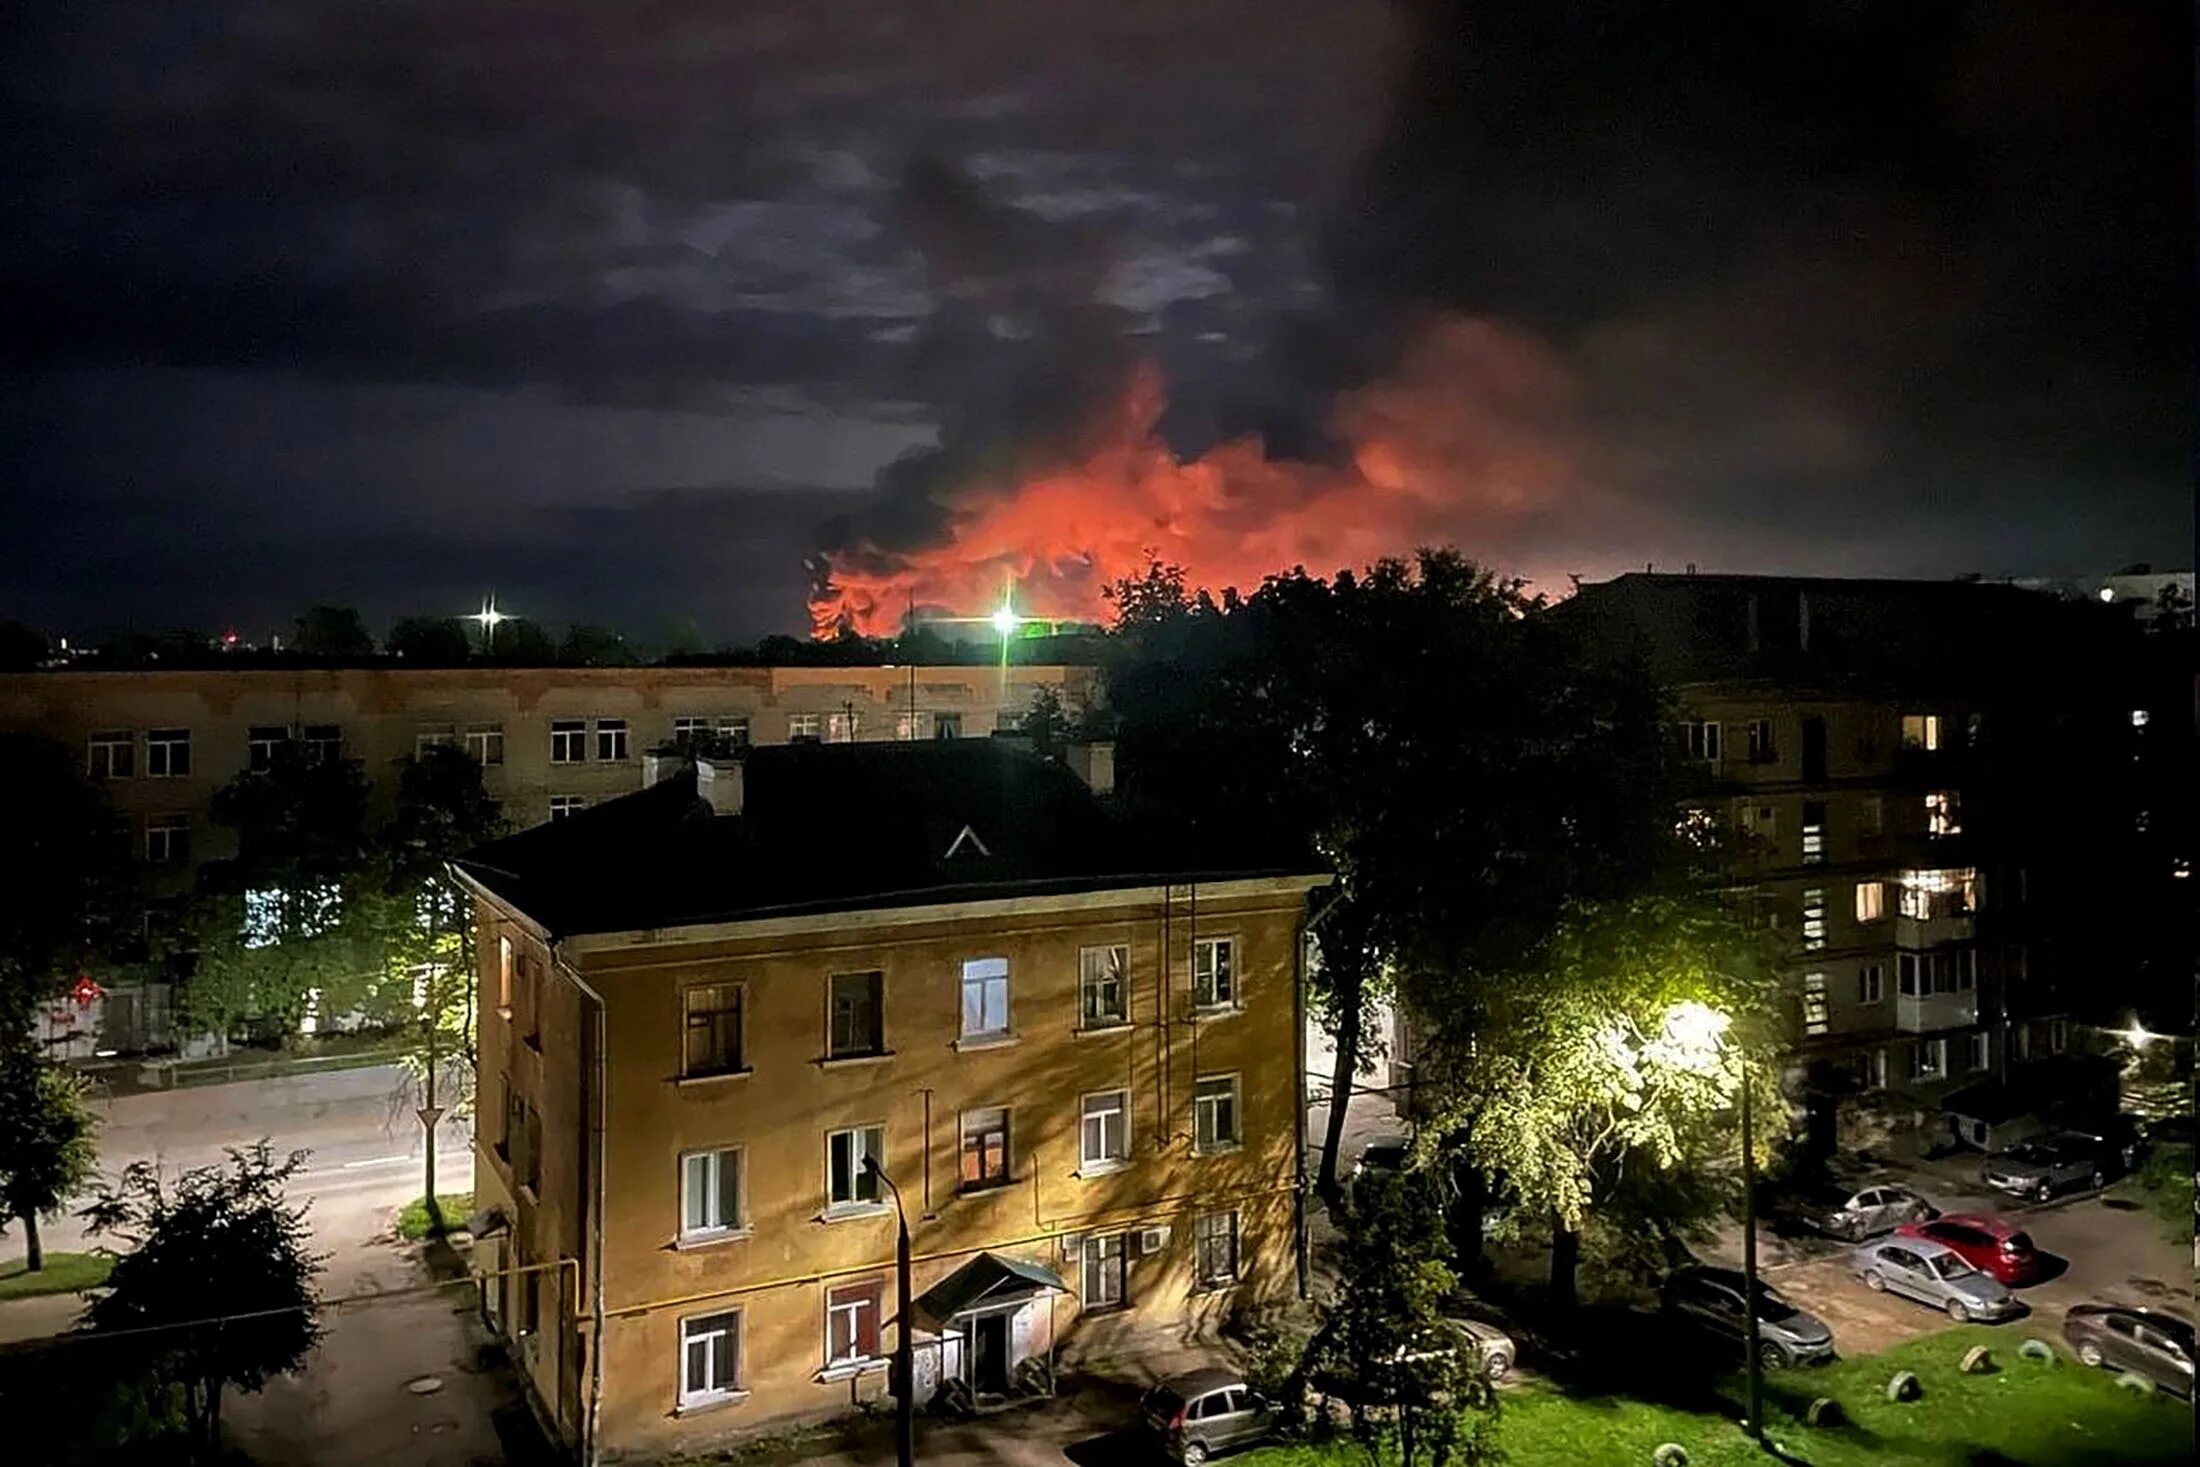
(1304, 933)
(595, 1212)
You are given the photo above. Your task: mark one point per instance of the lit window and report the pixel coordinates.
(2140, 718)
(1215, 1113)
(1760, 825)
(852, 1323)
(565, 806)
(504, 973)
(801, 726)
(710, 1193)
(568, 740)
(1871, 900)
(1216, 1249)
(1214, 972)
(1103, 986)
(1982, 1051)
(485, 741)
(1814, 1003)
(713, 1029)
(1814, 832)
(321, 743)
(1104, 1271)
(1702, 741)
(710, 1357)
(611, 739)
(111, 755)
(1871, 983)
(1760, 742)
(1921, 731)
(1929, 895)
(984, 1147)
(168, 753)
(985, 998)
(842, 727)
(909, 726)
(1107, 1132)
(858, 1015)
(167, 840)
(1871, 816)
(1929, 1059)
(1942, 813)
(1814, 918)
(848, 1182)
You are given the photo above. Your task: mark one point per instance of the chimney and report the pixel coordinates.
(721, 783)
(1094, 763)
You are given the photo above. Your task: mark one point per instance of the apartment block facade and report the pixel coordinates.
(732, 1022)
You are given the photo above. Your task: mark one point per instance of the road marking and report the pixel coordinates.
(374, 1161)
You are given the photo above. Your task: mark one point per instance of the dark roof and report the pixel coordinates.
(847, 827)
(986, 1279)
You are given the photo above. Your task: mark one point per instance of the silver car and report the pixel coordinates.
(1711, 1300)
(2045, 1165)
(1933, 1273)
(1204, 1413)
(1870, 1211)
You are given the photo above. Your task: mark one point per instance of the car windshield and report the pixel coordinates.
(1771, 1306)
(1948, 1266)
(2034, 1151)
(1164, 1402)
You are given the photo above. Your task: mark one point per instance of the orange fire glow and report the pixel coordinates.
(1468, 435)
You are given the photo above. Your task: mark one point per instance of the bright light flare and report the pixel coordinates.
(1005, 621)
(1694, 1037)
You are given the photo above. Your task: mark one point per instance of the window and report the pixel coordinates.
(947, 725)
(530, 1296)
(1814, 918)
(1214, 972)
(167, 840)
(710, 1193)
(1871, 900)
(984, 1147)
(803, 726)
(1107, 1131)
(1871, 816)
(1871, 1069)
(514, 1125)
(851, 1323)
(713, 1029)
(1103, 987)
(1216, 1249)
(734, 732)
(568, 740)
(260, 743)
(564, 806)
(1104, 1271)
(1814, 832)
(432, 738)
(530, 997)
(1702, 741)
(611, 739)
(710, 1357)
(485, 741)
(1921, 731)
(504, 974)
(1981, 1056)
(842, 727)
(1760, 824)
(1929, 1059)
(857, 1025)
(1215, 1114)
(985, 998)
(321, 743)
(1760, 741)
(1871, 983)
(1942, 815)
(2140, 718)
(168, 753)
(1906, 974)
(2058, 1036)
(1928, 895)
(111, 755)
(912, 725)
(691, 733)
(1814, 1003)
(848, 1182)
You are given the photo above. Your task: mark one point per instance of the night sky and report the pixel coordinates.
(630, 310)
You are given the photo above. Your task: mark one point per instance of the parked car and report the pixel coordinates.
(1990, 1244)
(2146, 1342)
(1933, 1273)
(1495, 1346)
(1866, 1212)
(1203, 1413)
(2053, 1163)
(1710, 1299)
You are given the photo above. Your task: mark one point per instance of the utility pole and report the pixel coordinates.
(1754, 1422)
(430, 1112)
(905, 1391)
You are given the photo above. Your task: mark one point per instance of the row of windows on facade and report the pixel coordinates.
(1923, 896)
(1928, 1059)
(1917, 975)
(714, 1014)
(1759, 822)
(1709, 740)
(712, 1345)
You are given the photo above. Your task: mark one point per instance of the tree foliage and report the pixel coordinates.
(431, 641)
(221, 1241)
(332, 631)
(48, 1140)
(592, 646)
(65, 887)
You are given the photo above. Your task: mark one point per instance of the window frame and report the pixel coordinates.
(833, 1050)
(485, 742)
(1120, 978)
(568, 741)
(169, 743)
(1814, 832)
(855, 1204)
(992, 1127)
(843, 726)
(1817, 1011)
(565, 807)
(321, 742)
(1703, 740)
(1104, 1257)
(1979, 1054)
(1215, 1001)
(1871, 983)
(1089, 1164)
(805, 727)
(732, 1326)
(986, 982)
(174, 828)
(611, 740)
(870, 1293)
(1204, 1240)
(719, 1157)
(1872, 907)
(1815, 922)
(735, 1061)
(119, 748)
(1204, 1105)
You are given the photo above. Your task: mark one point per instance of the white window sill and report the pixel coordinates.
(1214, 1286)
(1104, 1168)
(850, 1061)
(1219, 1148)
(986, 1041)
(690, 1242)
(696, 1405)
(848, 1370)
(1094, 1031)
(850, 1211)
(715, 1076)
(1206, 1012)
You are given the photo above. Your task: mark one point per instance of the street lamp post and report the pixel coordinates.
(905, 1394)
(1754, 1423)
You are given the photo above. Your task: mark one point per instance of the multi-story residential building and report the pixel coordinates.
(1925, 788)
(735, 1020)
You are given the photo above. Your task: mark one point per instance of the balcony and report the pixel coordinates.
(1924, 932)
(1928, 1013)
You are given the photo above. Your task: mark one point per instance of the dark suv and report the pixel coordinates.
(2056, 1162)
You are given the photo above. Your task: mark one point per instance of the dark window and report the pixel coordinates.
(713, 1029)
(858, 1015)
(322, 743)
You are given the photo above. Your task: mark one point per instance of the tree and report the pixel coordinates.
(1599, 1072)
(518, 642)
(430, 641)
(1406, 1374)
(47, 1141)
(220, 1265)
(65, 890)
(587, 646)
(1044, 722)
(21, 648)
(332, 631)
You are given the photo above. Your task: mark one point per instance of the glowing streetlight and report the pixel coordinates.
(1005, 621)
(2136, 1034)
(489, 618)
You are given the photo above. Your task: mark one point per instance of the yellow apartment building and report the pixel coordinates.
(729, 1020)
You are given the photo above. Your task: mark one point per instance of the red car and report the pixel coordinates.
(1992, 1245)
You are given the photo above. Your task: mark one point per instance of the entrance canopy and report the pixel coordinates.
(985, 1282)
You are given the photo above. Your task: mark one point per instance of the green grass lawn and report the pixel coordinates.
(2024, 1415)
(412, 1218)
(64, 1273)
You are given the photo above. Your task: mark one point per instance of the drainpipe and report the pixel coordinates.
(1305, 935)
(595, 1212)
